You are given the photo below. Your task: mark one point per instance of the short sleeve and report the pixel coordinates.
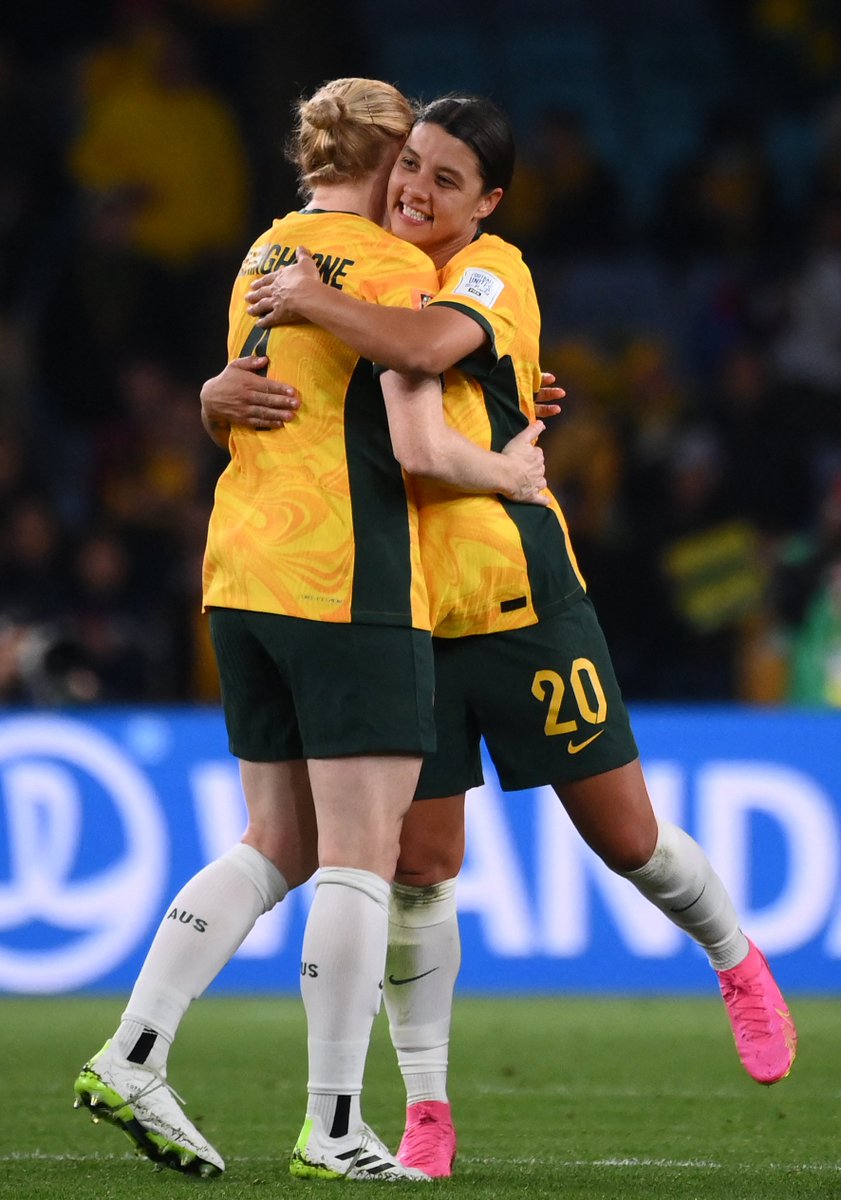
(487, 283)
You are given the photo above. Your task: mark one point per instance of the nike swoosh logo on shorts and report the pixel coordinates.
(412, 978)
(573, 749)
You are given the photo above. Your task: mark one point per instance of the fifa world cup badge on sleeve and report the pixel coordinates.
(480, 285)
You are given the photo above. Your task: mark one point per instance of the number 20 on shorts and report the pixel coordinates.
(549, 684)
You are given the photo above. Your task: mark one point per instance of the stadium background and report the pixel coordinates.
(679, 201)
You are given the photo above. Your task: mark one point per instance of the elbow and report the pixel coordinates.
(425, 357)
(430, 360)
(415, 464)
(415, 459)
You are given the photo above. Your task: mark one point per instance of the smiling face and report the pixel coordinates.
(436, 194)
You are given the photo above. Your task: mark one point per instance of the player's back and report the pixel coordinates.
(313, 520)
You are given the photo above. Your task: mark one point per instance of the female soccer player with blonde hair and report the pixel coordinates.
(320, 620)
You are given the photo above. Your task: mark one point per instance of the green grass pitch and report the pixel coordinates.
(564, 1097)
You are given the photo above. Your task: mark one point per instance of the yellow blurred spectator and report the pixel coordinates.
(163, 143)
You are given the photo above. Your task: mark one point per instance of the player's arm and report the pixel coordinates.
(425, 342)
(424, 444)
(241, 395)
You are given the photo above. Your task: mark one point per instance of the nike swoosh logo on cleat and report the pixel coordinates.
(412, 978)
(789, 1031)
(572, 748)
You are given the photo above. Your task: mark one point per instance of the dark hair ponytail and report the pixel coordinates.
(483, 127)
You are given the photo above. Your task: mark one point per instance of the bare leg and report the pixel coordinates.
(214, 912)
(431, 842)
(203, 926)
(360, 803)
(281, 817)
(613, 814)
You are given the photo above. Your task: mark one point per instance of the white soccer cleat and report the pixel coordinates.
(359, 1155)
(140, 1102)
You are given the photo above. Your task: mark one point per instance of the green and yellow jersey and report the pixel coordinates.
(492, 564)
(316, 520)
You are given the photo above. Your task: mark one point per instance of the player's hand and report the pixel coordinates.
(546, 400)
(240, 396)
(279, 298)
(529, 473)
(261, 303)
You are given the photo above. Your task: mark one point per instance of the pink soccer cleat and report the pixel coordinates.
(766, 1037)
(429, 1139)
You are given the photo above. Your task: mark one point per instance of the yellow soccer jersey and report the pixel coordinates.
(316, 520)
(492, 564)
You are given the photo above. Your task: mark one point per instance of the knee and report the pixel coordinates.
(363, 848)
(260, 837)
(294, 860)
(631, 852)
(431, 842)
(422, 875)
(424, 862)
(299, 871)
(625, 860)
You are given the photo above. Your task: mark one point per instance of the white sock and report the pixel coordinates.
(424, 956)
(203, 927)
(680, 881)
(342, 966)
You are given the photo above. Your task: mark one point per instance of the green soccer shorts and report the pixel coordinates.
(293, 688)
(545, 698)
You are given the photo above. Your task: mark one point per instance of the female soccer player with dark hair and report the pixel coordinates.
(519, 654)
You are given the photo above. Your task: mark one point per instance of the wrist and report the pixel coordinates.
(510, 477)
(306, 302)
(206, 393)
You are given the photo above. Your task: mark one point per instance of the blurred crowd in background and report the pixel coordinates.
(678, 199)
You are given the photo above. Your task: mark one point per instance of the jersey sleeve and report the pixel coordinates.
(486, 282)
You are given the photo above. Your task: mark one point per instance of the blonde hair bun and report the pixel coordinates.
(343, 130)
(323, 112)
